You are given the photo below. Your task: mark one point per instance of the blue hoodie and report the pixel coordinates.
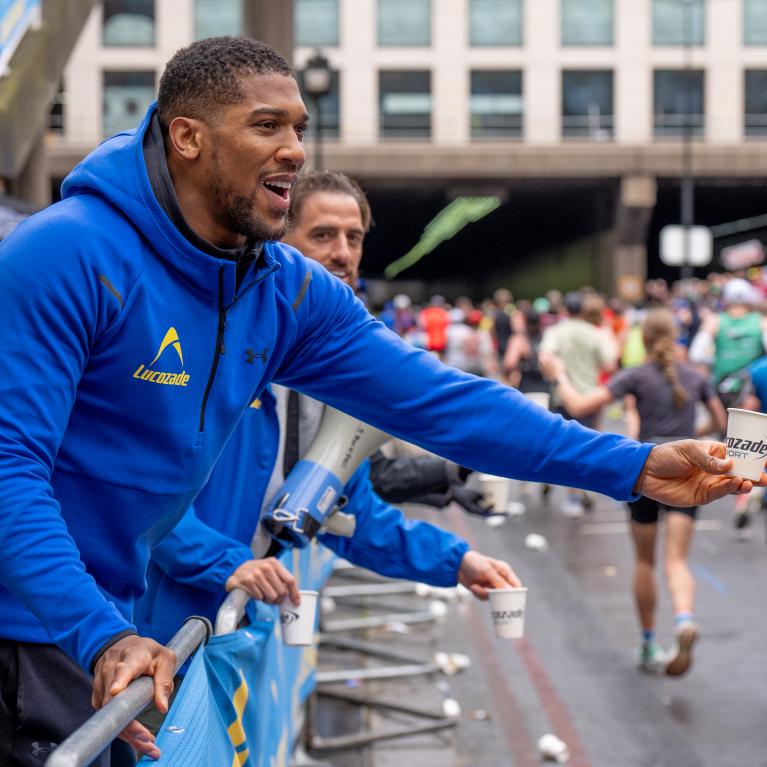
(127, 356)
(190, 566)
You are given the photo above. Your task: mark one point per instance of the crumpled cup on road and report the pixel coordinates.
(551, 748)
(536, 542)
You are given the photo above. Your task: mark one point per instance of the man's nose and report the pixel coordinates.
(292, 150)
(342, 252)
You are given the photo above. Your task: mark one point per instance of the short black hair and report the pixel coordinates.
(207, 75)
(330, 181)
(574, 302)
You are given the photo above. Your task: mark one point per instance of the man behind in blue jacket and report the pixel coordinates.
(143, 314)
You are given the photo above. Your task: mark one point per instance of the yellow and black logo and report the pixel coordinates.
(159, 376)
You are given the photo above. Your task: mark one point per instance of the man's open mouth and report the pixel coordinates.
(280, 188)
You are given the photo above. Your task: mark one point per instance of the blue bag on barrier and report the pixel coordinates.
(241, 697)
(218, 703)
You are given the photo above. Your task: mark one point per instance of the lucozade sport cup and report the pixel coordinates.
(746, 442)
(508, 609)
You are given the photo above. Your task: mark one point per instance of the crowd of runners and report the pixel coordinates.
(669, 365)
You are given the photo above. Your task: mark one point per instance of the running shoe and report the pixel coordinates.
(748, 510)
(742, 518)
(651, 657)
(680, 658)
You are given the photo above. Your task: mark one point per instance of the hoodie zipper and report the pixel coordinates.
(220, 347)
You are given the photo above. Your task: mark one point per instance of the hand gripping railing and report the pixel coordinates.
(95, 735)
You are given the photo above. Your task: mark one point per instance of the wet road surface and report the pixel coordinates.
(574, 673)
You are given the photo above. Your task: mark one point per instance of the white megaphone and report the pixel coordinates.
(310, 492)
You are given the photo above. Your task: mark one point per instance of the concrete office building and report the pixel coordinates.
(581, 115)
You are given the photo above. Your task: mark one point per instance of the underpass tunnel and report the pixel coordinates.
(544, 234)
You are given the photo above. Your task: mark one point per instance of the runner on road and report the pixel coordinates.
(666, 393)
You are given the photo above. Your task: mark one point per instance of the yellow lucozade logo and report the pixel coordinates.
(160, 376)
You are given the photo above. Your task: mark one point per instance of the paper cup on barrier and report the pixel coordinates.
(496, 491)
(540, 398)
(298, 622)
(746, 442)
(508, 609)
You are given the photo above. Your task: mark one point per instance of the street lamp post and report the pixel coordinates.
(317, 84)
(687, 187)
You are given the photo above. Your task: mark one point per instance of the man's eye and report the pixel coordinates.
(301, 131)
(268, 124)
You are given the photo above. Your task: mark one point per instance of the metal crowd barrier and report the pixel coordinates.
(95, 735)
(231, 612)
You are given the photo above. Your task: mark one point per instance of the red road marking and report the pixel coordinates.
(507, 709)
(510, 713)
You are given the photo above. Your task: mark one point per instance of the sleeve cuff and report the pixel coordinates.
(114, 640)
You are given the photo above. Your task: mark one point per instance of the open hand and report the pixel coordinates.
(267, 580)
(124, 661)
(479, 573)
(690, 473)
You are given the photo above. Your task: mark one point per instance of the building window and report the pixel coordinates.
(679, 106)
(404, 22)
(316, 22)
(330, 108)
(754, 22)
(587, 104)
(587, 22)
(495, 22)
(57, 114)
(213, 18)
(126, 98)
(755, 118)
(678, 22)
(405, 104)
(128, 22)
(496, 104)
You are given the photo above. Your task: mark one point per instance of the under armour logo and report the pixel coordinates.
(42, 749)
(251, 356)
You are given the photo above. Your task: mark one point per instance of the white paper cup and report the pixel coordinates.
(496, 491)
(298, 622)
(746, 442)
(540, 398)
(508, 609)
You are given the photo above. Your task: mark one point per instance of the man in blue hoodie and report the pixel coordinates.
(144, 313)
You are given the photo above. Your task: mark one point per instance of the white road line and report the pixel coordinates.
(610, 528)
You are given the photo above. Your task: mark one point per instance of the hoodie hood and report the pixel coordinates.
(116, 171)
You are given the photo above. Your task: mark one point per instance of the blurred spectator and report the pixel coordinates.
(469, 347)
(434, 321)
(730, 340)
(687, 321)
(503, 301)
(585, 350)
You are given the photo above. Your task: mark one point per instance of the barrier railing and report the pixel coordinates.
(231, 612)
(95, 735)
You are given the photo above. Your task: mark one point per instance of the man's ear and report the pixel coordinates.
(185, 135)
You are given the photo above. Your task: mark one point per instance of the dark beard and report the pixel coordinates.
(240, 211)
(241, 218)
